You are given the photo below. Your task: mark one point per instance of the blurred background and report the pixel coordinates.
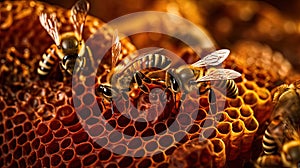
(271, 23)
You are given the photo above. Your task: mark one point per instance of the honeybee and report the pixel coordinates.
(69, 47)
(281, 142)
(182, 79)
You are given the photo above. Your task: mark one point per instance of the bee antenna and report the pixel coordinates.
(51, 26)
(78, 16)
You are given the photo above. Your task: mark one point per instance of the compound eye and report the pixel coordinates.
(174, 84)
(69, 43)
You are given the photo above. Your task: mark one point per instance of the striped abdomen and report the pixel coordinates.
(47, 62)
(229, 86)
(148, 61)
(269, 144)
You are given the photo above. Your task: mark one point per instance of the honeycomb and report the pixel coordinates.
(43, 125)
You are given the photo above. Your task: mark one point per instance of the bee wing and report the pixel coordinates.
(116, 48)
(213, 59)
(78, 16)
(220, 74)
(50, 24)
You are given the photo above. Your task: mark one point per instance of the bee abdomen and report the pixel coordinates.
(269, 144)
(47, 62)
(150, 61)
(228, 85)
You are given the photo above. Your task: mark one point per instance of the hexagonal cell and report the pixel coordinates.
(104, 155)
(83, 148)
(237, 102)
(250, 98)
(233, 113)
(220, 152)
(126, 161)
(209, 133)
(9, 111)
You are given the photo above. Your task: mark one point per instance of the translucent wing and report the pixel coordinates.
(50, 24)
(212, 59)
(78, 16)
(116, 48)
(220, 74)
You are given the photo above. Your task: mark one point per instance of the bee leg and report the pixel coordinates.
(140, 78)
(270, 161)
(212, 102)
(64, 72)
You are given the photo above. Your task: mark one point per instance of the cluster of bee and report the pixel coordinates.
(281, 142)
(69, 48)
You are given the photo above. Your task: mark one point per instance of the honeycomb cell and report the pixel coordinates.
(92, 121)
(67, 115)
(235, 138)
(88, 99)
(66, 142)
(68, 154)
(42, 129)
(27, 126)
(144, 163)
(173, 125)
(95, 130)
(89, 160)
(35, 143)
(55, 124)
(55, 160)
(84, 113)
(52, 148)
(8, 135)
(46, 161)
(104, 154)
(123, 120)
(250, 98)
(120, 149)
(61, 133)
(41, 151)
(233, 113)
(140, 124)
(184, 119)
(83, 148)
(27, 148)
(9, 111)
(251, 127)
(158, 156)
(237, 102)
(32, 159)
(75, 128)
(193, 128)
(17, 153)
(246, 112)
(125, 162)
(195, 153)
(22, 139)
(75, 162)
(151, 146)
(48, 137)
(165, 140)
(198, 115)
(219, 152)
(209, 133)
(107, 114)
(208, 122)
(148, 134)
(12, 144)
(80, 137)
(8, 124)
(129, 132)
(115, 136)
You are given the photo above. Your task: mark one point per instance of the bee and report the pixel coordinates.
(281, 139)
(69, 47)
(184, 78)
(188, 77)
